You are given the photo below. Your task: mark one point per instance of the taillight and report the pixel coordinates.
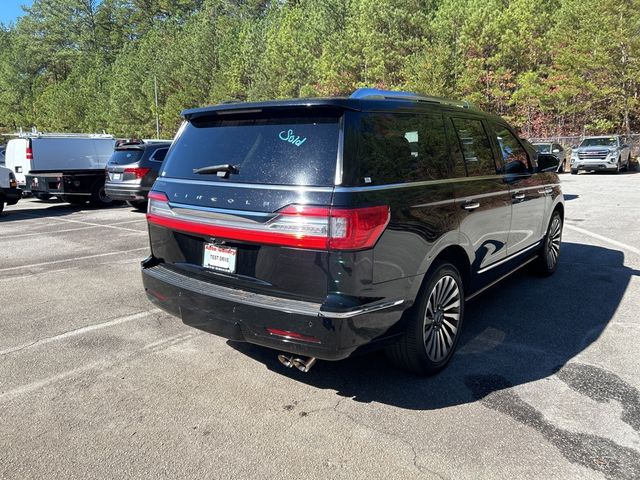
(301, 226)
(139, 172)
(29, 153)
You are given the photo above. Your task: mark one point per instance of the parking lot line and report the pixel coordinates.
(80, 331)
(68, 220)
(99, 225)
(41, 264)
(597, 236)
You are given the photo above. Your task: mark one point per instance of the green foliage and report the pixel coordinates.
(550, 66)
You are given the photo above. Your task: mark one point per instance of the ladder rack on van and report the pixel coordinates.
(36, 134)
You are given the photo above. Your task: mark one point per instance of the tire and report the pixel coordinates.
(431, 337)
(73, 200)
(140, 206)
(99, 197)
(547, 261)
(43, 196)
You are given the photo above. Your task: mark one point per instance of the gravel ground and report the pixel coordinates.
(95, 383)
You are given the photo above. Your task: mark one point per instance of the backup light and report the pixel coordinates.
(301, 226)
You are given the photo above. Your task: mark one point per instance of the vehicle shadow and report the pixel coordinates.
(45, 209)
(522, 330)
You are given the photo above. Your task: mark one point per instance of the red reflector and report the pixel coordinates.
(29, 155)
(292, 335)
(139, 172)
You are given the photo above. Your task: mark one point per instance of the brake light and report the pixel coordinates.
(139, 172)
(301, 226)
(29, 153)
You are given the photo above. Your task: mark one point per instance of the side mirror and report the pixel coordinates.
(547, 163)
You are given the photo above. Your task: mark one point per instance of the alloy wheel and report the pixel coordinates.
(553, 242)
(441, 319)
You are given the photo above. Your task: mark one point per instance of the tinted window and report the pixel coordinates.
(543, 148)
(288, 150)
(159, 154)
(514, 156)
(125, 157)
(474, 144)
(397, 148)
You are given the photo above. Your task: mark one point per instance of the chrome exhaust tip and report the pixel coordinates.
(304, 365)
(285, 360)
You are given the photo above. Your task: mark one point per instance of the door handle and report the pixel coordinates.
(519, 196)
(471, 205)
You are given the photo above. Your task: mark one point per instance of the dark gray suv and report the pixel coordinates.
(132, 169)
(318, 227)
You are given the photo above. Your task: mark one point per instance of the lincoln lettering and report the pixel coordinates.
(289, 136)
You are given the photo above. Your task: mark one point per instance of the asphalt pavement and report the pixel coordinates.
(96, 383)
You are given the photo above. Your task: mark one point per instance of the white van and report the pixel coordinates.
(68, 165)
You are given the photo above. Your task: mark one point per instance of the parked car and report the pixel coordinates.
(603, 153)
(133, 168)
(67, 165)
(9, 191)
(317, 227)
(556, 150)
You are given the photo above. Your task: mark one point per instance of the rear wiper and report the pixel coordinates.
(223, 170)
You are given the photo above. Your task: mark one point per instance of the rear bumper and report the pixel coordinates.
(127, 193)
(64, 183)
(246, 316)
(11, 195)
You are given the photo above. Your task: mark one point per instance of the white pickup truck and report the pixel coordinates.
(9, 191)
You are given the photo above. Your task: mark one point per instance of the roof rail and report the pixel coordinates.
(376, 93)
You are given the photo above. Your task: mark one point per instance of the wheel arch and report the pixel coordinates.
(457, 256)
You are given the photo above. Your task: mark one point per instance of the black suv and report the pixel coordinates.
(318, 226)
(133, 168)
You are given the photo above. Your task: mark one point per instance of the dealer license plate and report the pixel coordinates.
(220, 258)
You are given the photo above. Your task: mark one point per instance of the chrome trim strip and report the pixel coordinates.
(339, 160)
(498, 280)
(260, 186)
(360, 311)
(240, 216)
(510, 257)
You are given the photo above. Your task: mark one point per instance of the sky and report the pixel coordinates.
(10, 10)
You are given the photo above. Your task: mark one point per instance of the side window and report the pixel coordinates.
(514, 156)
(473, 143)
(159, 154)
(398, 148)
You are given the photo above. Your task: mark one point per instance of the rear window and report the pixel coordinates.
(125, 157)
(282, 150)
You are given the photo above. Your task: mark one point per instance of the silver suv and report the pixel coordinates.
(608, 153)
